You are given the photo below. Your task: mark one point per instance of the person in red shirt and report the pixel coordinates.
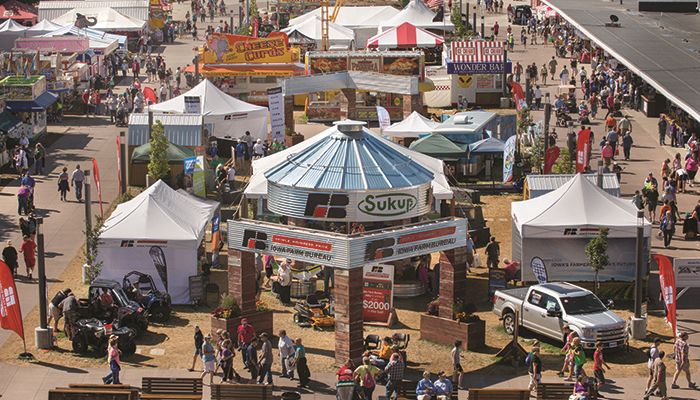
(598, 364)
(245, 334)
(28, 249)
(86, 101)
(96, 100)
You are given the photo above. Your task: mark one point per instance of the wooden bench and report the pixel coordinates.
(499, 394)
(407, 391)
(89, 394)
(135, 392)
(171, 388)
(554, 391)
(227, 391)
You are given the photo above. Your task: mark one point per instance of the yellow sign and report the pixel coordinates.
(237, 49)
(464, 81)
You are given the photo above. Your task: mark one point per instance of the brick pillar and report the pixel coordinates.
(411, 103)
(241, 279)
(348, 315)
(348, 105)
(289, 113)
(453, 279)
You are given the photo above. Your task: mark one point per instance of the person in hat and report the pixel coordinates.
(258, 149)
(209, 359)
(284, 278)
(113, 354)
(681, 353)
(265, 359)
(443, 387)
(55, 309)
(245, 335)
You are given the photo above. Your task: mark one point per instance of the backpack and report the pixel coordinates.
(528, 359)
(368, 379)
(579, 357)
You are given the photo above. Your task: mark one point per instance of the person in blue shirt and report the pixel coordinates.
(443, 386)
(241, 150)
(425, 389)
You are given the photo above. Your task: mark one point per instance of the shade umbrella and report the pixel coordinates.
(440, 147)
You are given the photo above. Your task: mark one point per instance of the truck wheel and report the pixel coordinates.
(509, 323)
(79, 344)
(160, 313)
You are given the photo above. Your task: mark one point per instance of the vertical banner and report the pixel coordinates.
(383, 118)
(508, 159)
(275, 101)
(96, 177)
(583, 148)
(10, 313)
(550, 157)
(667, 282)
(518, 95)
(198, 180)
(119, 162)
(215, 223)
(539, 270)
(188, 174)
(377, 293)
(497, 280)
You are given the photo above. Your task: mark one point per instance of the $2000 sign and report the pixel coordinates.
(377, 294)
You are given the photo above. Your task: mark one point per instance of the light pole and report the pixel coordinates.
(43, 335)
(639, 322)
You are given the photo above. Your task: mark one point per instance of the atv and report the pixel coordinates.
(108, 303)
(313, 313)
(93, 333)
(141, 288)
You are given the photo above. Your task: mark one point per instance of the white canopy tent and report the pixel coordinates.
(42, 27)
(158, 232)
(413, 126)
(108, 19)
(257, 186)
(418, 14)
(311, 28)
(9, 32)
(557, 226)
(229, 115)
(97, 38)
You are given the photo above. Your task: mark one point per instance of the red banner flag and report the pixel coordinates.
(96, 176)
(10, 313)
(518, 95)
(583, 150)
(550, 158)
(150, 95)
(667, 282)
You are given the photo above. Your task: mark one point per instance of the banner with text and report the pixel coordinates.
(478, 68)
(10, 313)
(377, 292)
(224, 48)
(687, 272)
(508, 159)
(667, 282)
(275, 101)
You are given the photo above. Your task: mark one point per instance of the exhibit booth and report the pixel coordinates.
(159, 233)
(554, 229)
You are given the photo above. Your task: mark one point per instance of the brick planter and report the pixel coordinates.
(446, 331)
(261, 321)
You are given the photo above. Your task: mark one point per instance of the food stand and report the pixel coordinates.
(28, 99)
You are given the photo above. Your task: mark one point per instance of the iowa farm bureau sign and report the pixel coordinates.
(353, 206)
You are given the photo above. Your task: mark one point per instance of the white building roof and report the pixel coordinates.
(52, 9)
(354, 17)
(108, 19)
(311, 28)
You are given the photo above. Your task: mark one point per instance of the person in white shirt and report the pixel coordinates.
(284, 278)
(258, 149)
(231, 172)
(538, 97)
(286, 347)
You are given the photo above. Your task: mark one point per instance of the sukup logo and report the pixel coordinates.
(388, 205)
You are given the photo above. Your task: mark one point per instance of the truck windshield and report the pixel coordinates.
(582, 304)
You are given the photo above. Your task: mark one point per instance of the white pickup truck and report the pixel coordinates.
(546, 308)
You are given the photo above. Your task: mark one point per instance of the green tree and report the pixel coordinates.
(158, 164)
(564, 164)
(93, 240)
(253, 9)
(460, 30)
(597, 253)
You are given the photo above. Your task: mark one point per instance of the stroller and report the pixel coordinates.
(563, 118)
(313, 313)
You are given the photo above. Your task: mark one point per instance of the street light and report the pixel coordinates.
(43, 335)
(639, 322)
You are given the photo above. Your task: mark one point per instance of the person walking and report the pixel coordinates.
(667, 224)
(663, 126)
(579, 357)
(652, 354)
(680, 351)
(55, 309)
(301, 364)
(9, 255)
(39, 159)
(366, 375)
(265, 359)
(227, 355)
(598, 364)
(63, 184)
(77, 179)
(286, 349)
(627, 143)
(251, 358)
(659, 385)
(23, 200)
(28, 249)
(113, 354)
(245, 333)
(198, 342)
(534, 367)
(493, 253)
(394, 372)
(457, 370)
(209, 359)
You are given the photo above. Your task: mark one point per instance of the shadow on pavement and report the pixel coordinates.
(60, 367)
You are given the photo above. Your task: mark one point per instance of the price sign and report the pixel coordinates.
(377, 297)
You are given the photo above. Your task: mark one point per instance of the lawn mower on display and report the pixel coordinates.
(141, 288)
(93, 333)
(313, 313)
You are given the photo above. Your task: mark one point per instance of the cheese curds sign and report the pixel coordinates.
(225, 48)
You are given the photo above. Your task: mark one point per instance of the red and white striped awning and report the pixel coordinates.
(405, 35)
(477, 51)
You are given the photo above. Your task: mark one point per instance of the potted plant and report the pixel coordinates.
(292, 137)
(227, 315)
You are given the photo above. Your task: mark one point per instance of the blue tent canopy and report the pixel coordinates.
(41, 103)
(489, 145)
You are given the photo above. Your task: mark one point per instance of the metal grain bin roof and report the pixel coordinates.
(352, 158)
(538, 185)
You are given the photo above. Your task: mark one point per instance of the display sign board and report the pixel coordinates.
(477, 51)
(478, 68)
(401, 66)
(275, 101)
(21, 88)
(193, 105)
(366, 64)
(198, 179)
(188, 172)
(377, 292)
(224, 48)
(322, 65)
(346, 251)
(687, 272)
(350, 207)
(408, 63)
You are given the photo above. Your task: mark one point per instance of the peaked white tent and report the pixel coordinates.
(42, 27)
(311, 28)
(9, 32)
(556, 227)
(413, 126)
(158, 232)
(96, 36)
(257, 186)
(419, 15)
(229, 115)
(108, 19)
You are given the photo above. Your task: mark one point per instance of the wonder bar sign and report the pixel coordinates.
(350, 207)
(346, 251)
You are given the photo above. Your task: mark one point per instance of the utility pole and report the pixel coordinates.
(122, 162)
(547, 119)
(504, 74)
(483, 26)
(639, 322)
(88, 210)
(43, 335)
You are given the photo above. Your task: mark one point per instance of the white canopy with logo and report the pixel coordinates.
(158, 232)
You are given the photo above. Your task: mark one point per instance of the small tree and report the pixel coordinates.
(564, 164)
(460, 30)
(253, 9)
(93, 239)
(158, 164)
(597, 253)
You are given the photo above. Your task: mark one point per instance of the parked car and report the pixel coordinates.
(545, 309)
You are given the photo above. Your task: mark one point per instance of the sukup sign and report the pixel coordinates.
(388, 205)
(224, 48)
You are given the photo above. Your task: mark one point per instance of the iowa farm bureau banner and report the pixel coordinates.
(477, 57)
(342, 251)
